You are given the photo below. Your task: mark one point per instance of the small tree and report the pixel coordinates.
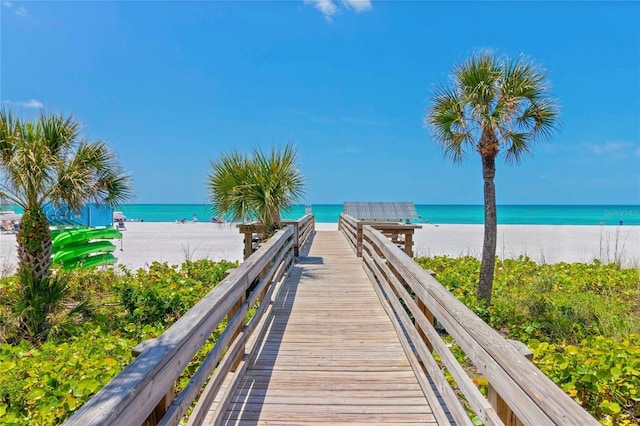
(493, 106)
(48, 161)
(257, 186)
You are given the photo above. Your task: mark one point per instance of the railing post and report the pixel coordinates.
(428, 314)
(248, 245)
(359, 240)
(505, 412)
(296, 240)
(163, 405)
(249, 229)
(408, 242)
(230, 315)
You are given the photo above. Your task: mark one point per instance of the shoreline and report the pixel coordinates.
(145, 242)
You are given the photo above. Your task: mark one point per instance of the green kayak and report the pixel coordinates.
(91, 261)
(71, 253)
(82, 235)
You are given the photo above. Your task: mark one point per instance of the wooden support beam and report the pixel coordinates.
(427, 313)
(163, 405)
(232, 312)
(503, 410)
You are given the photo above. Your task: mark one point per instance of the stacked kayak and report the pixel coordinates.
(85, 247)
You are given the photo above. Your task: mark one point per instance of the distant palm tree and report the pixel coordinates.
(493, 105)
(257, 186)
(46, 161)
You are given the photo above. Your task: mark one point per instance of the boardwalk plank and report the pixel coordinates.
(330, 354)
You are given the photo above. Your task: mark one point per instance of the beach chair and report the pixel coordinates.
(121, 226)
(16, 227)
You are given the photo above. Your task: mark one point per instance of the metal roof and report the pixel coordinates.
(363, 210)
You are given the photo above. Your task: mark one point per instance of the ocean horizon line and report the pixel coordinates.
(508, 214)
(516, 214)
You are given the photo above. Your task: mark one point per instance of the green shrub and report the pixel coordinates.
(581, 320)
(51, 381)
(601, 374)
(35, 307)
(164, 293)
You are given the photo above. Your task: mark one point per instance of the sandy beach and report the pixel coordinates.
(145, 242)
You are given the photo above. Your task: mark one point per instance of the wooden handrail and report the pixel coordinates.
(131, 396)
(303, 229)
(400, 234)
(405, 288)
(253, 233)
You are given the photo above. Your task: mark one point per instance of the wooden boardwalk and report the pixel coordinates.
(329, 353)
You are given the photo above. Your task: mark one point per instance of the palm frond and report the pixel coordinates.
(47, 161)
(477, 81)
(518, 145)
(541, 118)
(258, 186)
(449, 123)
(59, 133)
(9, 135)
(509, 98)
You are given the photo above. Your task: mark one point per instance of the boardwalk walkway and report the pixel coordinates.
(330, 353)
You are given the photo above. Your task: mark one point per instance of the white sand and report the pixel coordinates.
(144, 242)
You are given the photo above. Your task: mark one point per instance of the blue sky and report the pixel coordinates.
(172, 85)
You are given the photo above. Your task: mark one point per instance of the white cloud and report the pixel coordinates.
(31, 103)
(22, 11)
(609, 147)
(327, 7)
(614, 150)
(357, 5)
(330, 7)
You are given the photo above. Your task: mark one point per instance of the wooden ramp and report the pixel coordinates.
(330, 353)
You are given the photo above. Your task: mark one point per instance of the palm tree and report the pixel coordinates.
(45, 161)
(257, 186)
(494, 105)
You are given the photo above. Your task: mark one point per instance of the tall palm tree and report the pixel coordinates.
(494, 105)
(257, 186)
(45, 161)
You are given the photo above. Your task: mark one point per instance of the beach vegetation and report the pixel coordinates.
(49, 161)
(51, 380)
(257, 186)
(581, 321)
(493, 106)
(40, 307)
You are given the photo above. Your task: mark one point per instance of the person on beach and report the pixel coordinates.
(195, 218)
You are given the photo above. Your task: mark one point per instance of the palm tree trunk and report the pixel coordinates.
(485, 285)
(488, 148)
(34, 242)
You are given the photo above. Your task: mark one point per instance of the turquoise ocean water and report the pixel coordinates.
(459, 214)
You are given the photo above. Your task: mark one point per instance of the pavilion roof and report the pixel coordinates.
(387, 211)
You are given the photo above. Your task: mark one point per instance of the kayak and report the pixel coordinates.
(78, 251)
(92, 261)
(84, 234)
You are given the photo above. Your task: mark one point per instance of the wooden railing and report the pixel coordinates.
(303, 228)
(400, 234)
(253, 233)
(143, 391)
(519, 393)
